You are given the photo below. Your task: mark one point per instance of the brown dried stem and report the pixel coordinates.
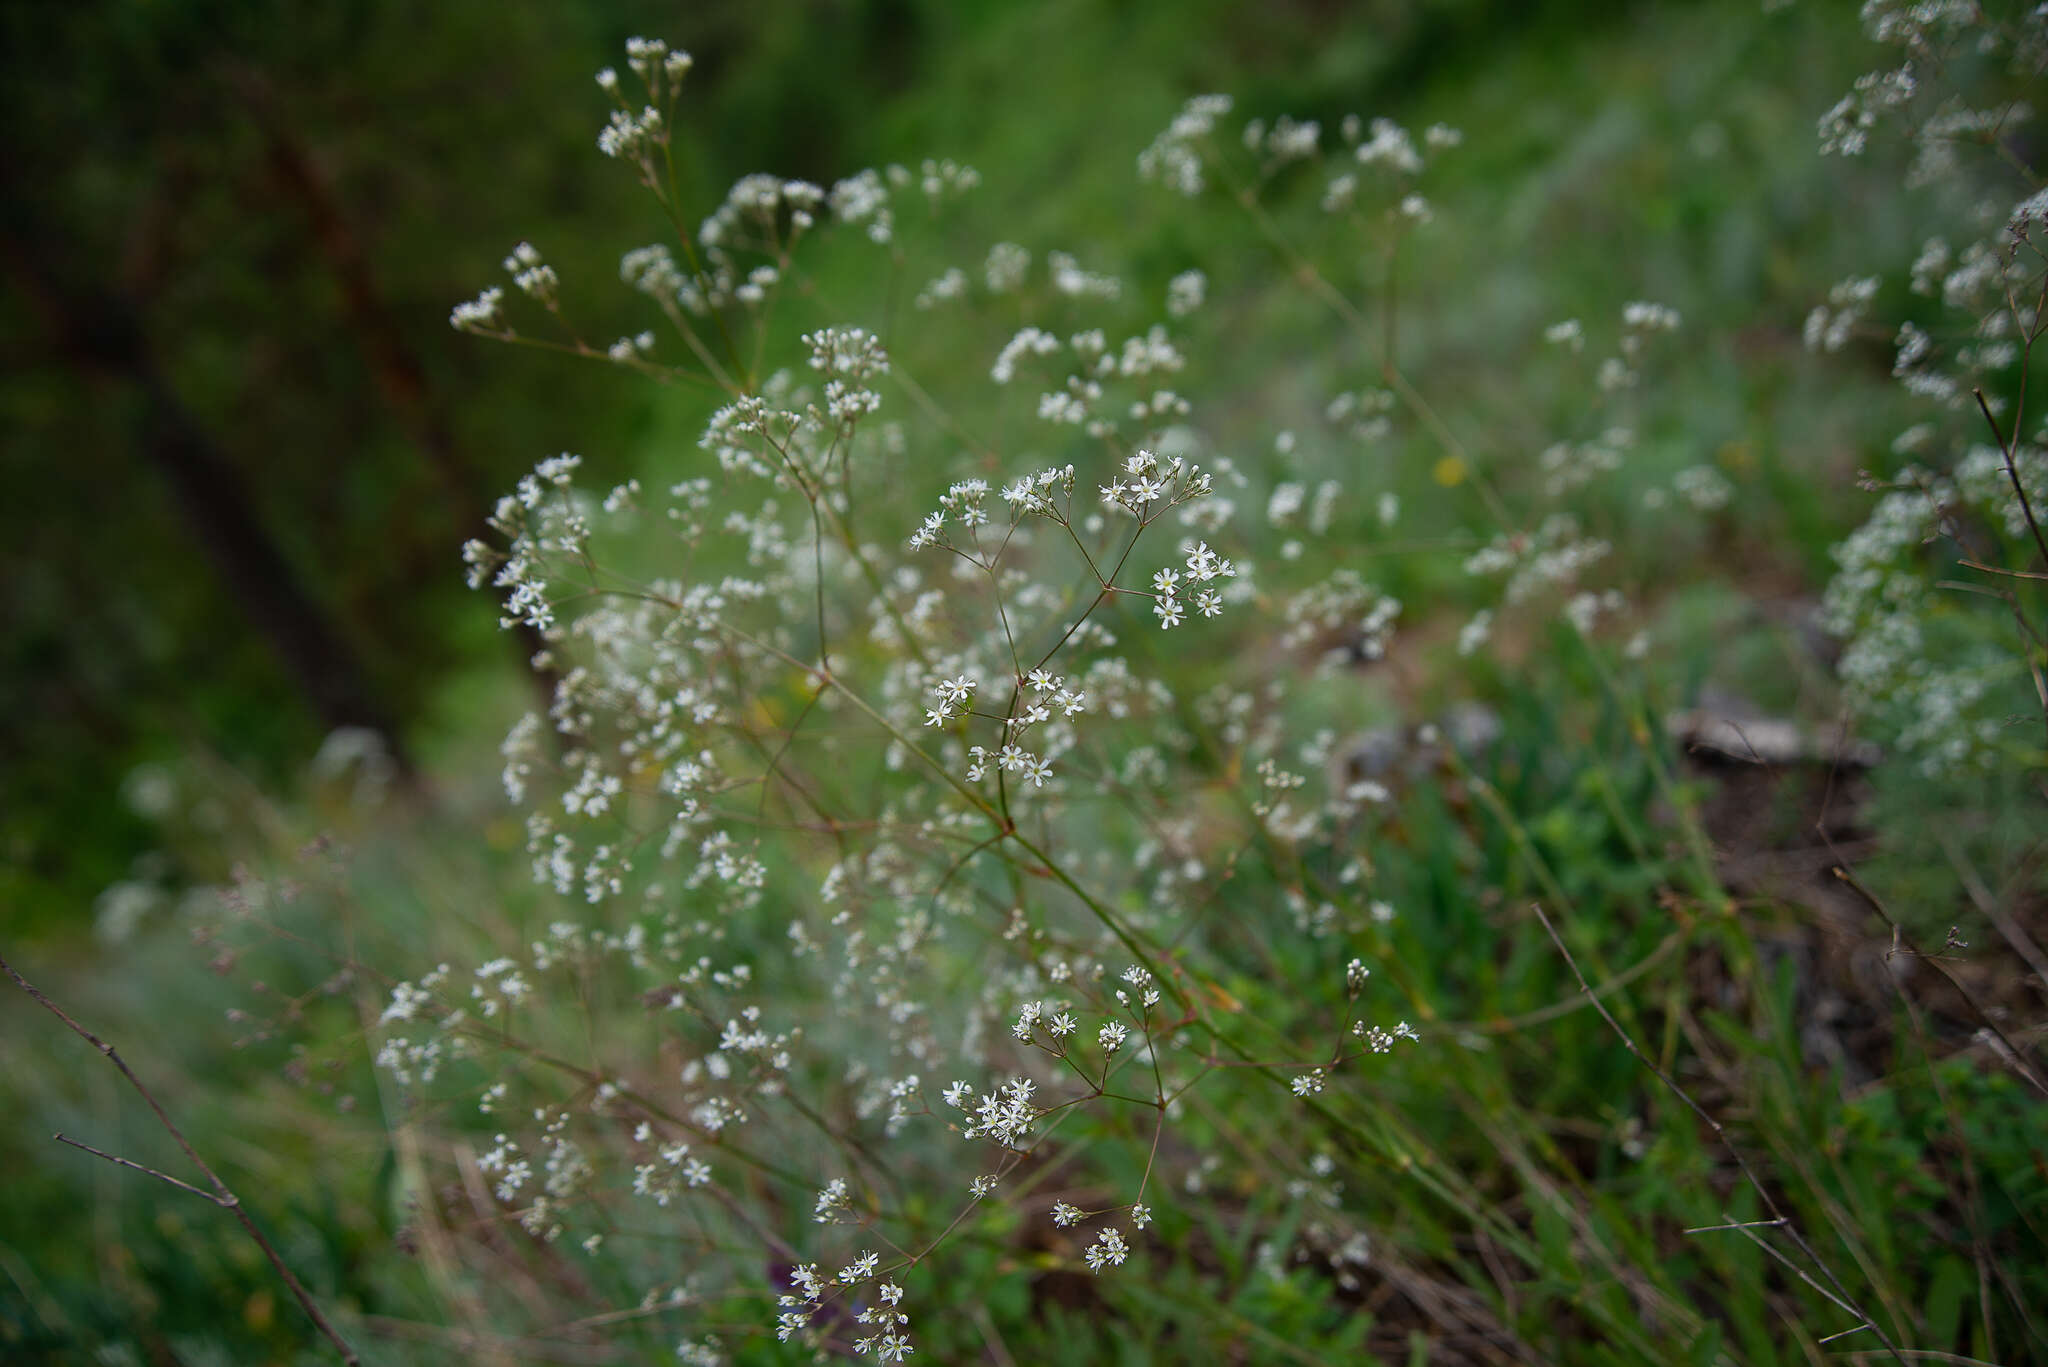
(1902, 944)
(221, 1195)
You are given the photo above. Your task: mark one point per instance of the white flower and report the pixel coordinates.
(1004, 1115)
(806, 1279)
(1185, 292)
(1111, 1037)
(1109, 1250)
(831, 1201)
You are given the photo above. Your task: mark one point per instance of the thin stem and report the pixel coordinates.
(2006, 448)
(671, 205)
(1901, 945)
(1840, 1295)
(116, 1159)
(1319, 285)
(222, 1196)
(1103, 914)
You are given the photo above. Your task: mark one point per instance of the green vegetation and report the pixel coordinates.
(1828, 967)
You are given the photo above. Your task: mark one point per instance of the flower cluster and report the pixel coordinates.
(1203, 566)
(1936, 670)
(812, 775)
(1003, 1114)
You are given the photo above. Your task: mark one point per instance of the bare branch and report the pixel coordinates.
(116, 1158)
(2012, 473)
(221, 1196)
(2014, 1059)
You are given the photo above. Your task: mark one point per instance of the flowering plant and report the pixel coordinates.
(945, 773)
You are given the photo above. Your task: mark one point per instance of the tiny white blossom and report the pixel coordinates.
(1109, 1250)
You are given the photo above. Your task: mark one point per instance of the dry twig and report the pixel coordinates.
(220, 1195)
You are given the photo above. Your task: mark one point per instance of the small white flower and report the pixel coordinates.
(831, 1201)
(1109, 1250)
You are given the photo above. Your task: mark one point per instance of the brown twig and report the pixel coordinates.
(2014, 1059)
(220, 1195)
(117, 1159)
(1981, 897)
(2012, 473)
(1993, 569)
(2009, 450)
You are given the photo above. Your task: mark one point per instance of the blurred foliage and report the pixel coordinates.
(281, 205)
(270, 209)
